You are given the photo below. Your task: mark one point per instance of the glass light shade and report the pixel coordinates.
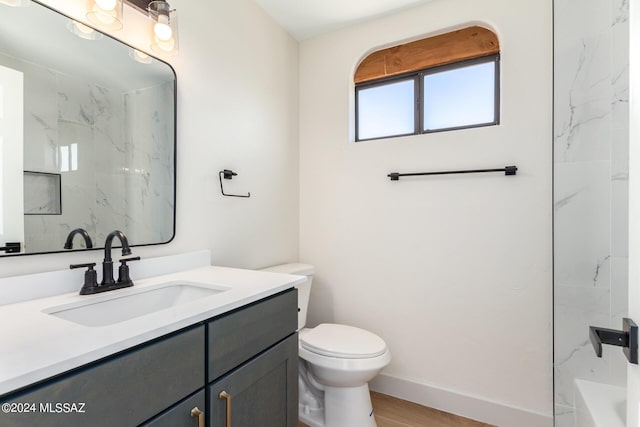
(107, 4)
(16, 3)
(105, 14)
(164, 28)
(83, 31)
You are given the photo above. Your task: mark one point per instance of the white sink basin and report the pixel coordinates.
(122, 305)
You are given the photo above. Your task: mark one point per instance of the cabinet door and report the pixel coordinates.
(263, 392)
(124, 390)
(185, 414)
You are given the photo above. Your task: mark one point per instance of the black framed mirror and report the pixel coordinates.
(79, 104)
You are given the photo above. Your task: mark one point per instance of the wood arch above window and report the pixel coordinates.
(467, 43)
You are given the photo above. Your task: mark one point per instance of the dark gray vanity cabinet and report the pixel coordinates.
(185, 414)
(124, 390)
(236, 337)
(263, 392)
(252, 368)
(251, 381)
(250, 353)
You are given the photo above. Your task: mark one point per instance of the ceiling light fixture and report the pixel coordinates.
(105, 13)
(164, 28)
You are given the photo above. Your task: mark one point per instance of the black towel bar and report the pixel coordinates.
(508, 170)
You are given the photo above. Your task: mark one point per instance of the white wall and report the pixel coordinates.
(453, 272)
(237, 109)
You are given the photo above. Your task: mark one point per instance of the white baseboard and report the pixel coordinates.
(486, 411)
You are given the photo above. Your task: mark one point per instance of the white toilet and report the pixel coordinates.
(336, 364)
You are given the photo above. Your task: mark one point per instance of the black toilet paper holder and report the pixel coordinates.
(228, 174)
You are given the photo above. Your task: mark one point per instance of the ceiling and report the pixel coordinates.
(308, 18)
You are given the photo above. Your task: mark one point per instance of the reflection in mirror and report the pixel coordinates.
(93, 112)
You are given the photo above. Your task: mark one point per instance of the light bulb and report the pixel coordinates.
(106, 4)
(161, 29)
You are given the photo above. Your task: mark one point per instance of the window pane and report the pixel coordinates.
(64, 158)
(386, 110)
(74, 157)
(459, 97)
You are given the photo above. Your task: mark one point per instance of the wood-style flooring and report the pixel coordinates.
(392, 412)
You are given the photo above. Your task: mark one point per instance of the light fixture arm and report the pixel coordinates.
(160, 8)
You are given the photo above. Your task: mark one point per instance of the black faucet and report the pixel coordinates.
(108, 284)
(107, 263)
(87, 239)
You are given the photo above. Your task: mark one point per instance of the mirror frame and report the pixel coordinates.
(175, 147)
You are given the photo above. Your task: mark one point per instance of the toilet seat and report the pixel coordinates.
(342, 341)
(343, 364)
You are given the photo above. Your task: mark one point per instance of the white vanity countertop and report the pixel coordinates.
(36, 345)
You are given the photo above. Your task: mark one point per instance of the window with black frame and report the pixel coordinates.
(459, 94)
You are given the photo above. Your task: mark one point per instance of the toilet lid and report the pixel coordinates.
(342, 341)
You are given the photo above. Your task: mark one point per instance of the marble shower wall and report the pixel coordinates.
(149, 119)
(115, 137)
(90, 117)
(590, 190)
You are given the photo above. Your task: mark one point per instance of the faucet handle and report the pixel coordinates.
(123, 270)
(90, 278)
(89, 264)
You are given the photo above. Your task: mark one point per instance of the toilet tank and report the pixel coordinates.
(304, 289)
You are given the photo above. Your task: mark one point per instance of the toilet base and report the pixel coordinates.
(343, 406)
(310, 400)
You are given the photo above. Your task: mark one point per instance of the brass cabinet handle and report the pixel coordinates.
(226, 396)
(195, 412)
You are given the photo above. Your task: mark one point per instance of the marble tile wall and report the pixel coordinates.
(148, 119)
(83, 112)
(116, 135)
(590, 190)
(41, 193)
